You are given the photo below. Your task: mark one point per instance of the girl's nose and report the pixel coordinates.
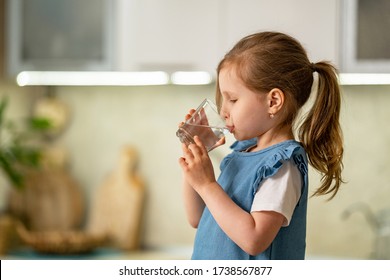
(224, 114)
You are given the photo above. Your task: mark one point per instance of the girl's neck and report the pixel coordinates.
(273, 137)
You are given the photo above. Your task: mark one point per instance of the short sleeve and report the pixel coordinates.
(280, 192)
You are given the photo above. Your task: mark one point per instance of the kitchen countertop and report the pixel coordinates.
(169, 253)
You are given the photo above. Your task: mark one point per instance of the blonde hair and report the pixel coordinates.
(268, 60)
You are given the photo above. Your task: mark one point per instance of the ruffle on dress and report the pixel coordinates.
(292, 151)
(284, 151)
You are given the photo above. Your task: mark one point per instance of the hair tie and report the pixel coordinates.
(313, 67)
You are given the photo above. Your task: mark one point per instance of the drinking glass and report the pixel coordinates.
(206, 123)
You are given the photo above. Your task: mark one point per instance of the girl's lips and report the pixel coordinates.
(230, 128)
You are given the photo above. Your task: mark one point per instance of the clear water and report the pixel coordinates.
(208, 135)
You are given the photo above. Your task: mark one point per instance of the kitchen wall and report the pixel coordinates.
(366, 173)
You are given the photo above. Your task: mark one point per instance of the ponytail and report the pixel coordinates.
(320, 132)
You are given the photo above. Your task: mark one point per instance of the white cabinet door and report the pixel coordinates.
(168, 35)
(190, 35)
(313, 23)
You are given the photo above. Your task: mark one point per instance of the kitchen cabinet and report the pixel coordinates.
(313, 23)
(366, 39)
(47, 35)
(118, 35)
(192, 35)
(168, 35)
(2, 38)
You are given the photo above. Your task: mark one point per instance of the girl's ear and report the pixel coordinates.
(275, 101)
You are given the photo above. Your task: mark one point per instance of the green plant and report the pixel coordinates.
(19, 145)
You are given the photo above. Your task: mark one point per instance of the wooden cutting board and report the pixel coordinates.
(51, 200)
(117, 207)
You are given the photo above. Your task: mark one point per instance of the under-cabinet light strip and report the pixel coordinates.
(81, 78)
(364, 79)
(87, 78)
(191, 78)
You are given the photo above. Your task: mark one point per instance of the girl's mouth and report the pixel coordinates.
(230, 128)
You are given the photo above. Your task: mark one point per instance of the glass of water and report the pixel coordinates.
(206, 123)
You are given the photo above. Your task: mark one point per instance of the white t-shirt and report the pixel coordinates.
(280, 193)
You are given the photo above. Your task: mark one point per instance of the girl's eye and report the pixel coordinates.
(233, 100)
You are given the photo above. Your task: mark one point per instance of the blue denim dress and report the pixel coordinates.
(241, 175)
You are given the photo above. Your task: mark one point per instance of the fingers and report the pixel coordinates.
(221, 142)
(186, 158)
(200, 145)
(183, 163)
(187, 152)
(193, 150)
(187, 117)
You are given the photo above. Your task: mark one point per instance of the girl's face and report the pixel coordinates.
(246, 112)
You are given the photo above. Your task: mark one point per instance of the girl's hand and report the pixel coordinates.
(221, 142)
(187, 117)
(196, 165)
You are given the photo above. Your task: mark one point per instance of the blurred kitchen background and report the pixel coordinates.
(110, 186)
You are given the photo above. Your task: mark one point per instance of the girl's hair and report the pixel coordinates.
(268, 60)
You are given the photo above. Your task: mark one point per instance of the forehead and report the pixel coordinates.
(231, 85)
(229, 81)
(228, 76)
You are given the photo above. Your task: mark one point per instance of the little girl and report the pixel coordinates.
(257, 208)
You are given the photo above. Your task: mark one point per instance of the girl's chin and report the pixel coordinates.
(241, 137)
